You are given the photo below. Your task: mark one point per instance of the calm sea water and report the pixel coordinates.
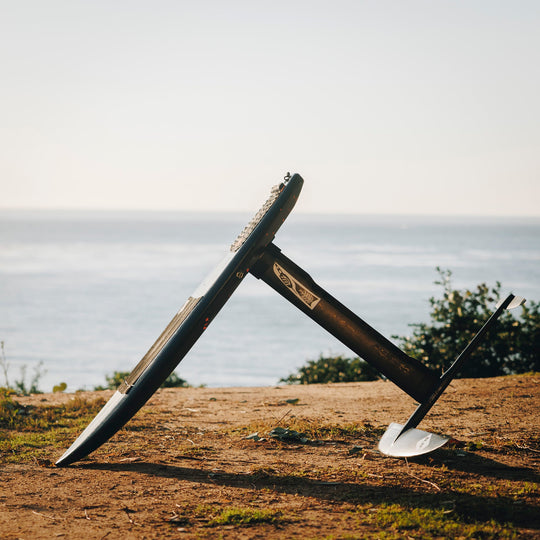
(87, 293)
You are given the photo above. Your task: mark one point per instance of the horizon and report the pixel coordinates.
(73, 212)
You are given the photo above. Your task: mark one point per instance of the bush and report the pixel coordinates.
(333, 369)
(117, 378)
(20, 387)
(512, 346)
(174, 381)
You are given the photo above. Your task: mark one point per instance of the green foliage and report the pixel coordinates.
(4, 364)
(244, 517)
(174, 381)
(512, 346)
(26, 431)
(15, 416)
(118, 377)
(434, 523)
(20, 386)
(113, 381)
(59, 387)
(229, 517)
(9, 409)
(332, 369)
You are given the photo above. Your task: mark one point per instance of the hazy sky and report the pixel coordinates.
(382, 106)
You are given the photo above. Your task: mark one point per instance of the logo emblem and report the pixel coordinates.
(305, 295)
(424, 442)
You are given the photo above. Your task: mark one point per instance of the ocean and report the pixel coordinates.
(84, 294)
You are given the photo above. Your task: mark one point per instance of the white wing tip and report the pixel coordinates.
(514, 303)
(413, 442)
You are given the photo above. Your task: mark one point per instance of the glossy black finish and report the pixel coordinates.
(169, 350)
(297, 286)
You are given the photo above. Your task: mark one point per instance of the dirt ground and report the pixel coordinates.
(183, 468)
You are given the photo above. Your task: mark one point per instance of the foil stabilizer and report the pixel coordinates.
(413, 442)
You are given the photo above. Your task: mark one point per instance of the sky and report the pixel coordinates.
(385, 107)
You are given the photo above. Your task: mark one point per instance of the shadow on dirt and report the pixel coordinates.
(472, 463)
(468, 507)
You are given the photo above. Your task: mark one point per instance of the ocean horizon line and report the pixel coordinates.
(73, 213)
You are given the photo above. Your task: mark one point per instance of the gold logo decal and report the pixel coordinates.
(306, 296)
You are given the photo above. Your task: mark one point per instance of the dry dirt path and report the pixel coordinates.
(183, 468)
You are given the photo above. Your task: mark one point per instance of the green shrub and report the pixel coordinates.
(20, 386)
(174, 381)
(117, 378)
(512, 346)
(333, 369)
